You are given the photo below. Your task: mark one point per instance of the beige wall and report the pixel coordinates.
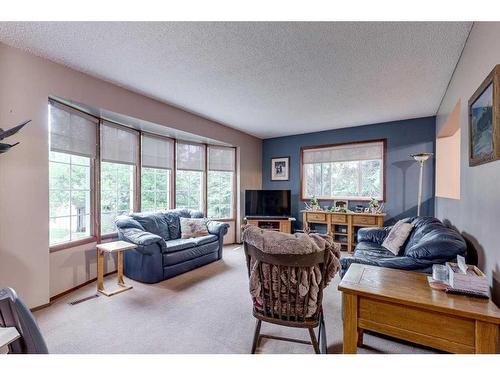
(448, 166)
(477, 213)
(448, 156)
(26, 81)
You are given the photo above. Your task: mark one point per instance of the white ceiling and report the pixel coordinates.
(265, 78)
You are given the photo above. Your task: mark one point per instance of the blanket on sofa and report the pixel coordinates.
(307, 280)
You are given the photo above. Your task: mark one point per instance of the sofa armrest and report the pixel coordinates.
(397, 262)
(218, 228)
(376, 235)
(146, 242)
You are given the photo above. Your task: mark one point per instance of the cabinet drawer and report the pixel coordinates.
(364, 220)
(340, 219)
(316, 217)
(410, 322)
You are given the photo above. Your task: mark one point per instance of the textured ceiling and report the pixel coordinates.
(270, 78)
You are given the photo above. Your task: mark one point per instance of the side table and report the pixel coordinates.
(117, 247)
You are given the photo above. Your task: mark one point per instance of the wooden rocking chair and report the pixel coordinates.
(287, 309)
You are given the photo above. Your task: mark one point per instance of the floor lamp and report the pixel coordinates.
(421, 158)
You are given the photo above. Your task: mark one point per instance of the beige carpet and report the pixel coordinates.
(207, 310)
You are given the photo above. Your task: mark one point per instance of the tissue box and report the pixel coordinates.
(474, 279)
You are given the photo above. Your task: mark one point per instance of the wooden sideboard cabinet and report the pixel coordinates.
(343, 226)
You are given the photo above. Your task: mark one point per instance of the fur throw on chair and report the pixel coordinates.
(307, 281)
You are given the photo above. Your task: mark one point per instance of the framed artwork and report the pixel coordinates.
(341, 203)
(484, 121)
(280, 169)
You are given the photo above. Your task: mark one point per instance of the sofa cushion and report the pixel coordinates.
(397, 236)
(153, 222)
(204, 239)
(371, 249)
(125, 221)
(187, 243)
(174, 224)
(431, 239)
(184, 255)
(179, 244)
(180, 212)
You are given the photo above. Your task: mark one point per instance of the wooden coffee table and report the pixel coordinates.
(401, 304)
(112, 247)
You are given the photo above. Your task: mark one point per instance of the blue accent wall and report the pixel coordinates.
(404, 137)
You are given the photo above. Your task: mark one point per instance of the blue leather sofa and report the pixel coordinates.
(430, 242)
(161, 253)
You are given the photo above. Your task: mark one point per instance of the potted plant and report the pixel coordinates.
(314, 204)
(374, 205)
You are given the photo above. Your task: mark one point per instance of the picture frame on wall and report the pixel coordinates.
(280, 169)
(484, 121)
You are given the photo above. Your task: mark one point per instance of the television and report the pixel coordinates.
(267, 203)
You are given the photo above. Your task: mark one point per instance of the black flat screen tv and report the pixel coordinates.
(267, 203)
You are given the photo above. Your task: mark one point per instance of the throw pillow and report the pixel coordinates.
(397, 236)
(193, 227)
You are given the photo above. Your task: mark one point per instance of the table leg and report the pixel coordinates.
(350, 234)
(350, 323)
(486, 338)
(305, 224)
(120, 268)
(100, 270)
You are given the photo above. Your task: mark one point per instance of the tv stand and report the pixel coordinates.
(277, 224)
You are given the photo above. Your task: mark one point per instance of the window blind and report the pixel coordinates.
(190, 157)
(221, 158)
(157, 152)
(118, 145)
(71, 131)
(343, 153)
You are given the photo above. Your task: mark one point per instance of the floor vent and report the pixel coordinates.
(76, 302)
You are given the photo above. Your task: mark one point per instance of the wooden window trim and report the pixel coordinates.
(384, 169)
(72, 244)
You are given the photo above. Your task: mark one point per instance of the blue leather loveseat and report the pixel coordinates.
(161, 252)
(430, 242)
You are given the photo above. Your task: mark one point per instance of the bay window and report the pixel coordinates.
(156, 172)
(189, 178)
(72, 138)
(220, 182)
(352, 171)
(119, 159)
(99, 170)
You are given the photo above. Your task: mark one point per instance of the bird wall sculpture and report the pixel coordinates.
(4, 147)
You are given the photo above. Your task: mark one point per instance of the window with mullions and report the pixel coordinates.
(221, 162)
(350, 171)
(117, 193)
(72, 138)
(157, 165)
(155, 189)
(189, 176)
(69, 197)
(119, 157)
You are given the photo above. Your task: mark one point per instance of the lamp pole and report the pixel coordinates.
(421, 158)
